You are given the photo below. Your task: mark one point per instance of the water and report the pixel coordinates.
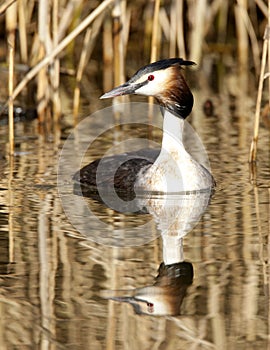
(57, 285)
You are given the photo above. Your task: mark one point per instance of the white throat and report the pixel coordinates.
(174, 170)
(173, 128)
(172, 140)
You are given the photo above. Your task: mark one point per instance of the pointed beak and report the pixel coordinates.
(124, 89)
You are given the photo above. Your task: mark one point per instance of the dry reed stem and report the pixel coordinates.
(11, 24)
(268, 41)
(197, 34)
(10, 91)
(81, 65)
(118, 23)
(266, 48)
(253, 39)
(262, 6)
(55, 71)
(11, 19)
(66, 18)
(88, 46)
(42, 78)
(180, 30)
(107, 47)
(242, 43)
(42, 85)
(222, 21)
(155, 31)
(173, 27)
(22, 30)
(217, 8)
(126, 29)
(164, 23)
(6, 5)
(253, 147)
(48, 59)
(148, 24)
(30, 9)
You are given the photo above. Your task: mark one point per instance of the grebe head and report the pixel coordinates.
(164, 81)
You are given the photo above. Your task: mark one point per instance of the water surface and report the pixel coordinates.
(56, 283)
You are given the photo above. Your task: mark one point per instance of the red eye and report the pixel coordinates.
(150, 307)
(151, 77)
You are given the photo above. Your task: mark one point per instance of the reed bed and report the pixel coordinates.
(52, 35)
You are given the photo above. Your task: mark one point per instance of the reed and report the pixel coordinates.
(82, 63)
(197, 31)
(88, 46)
(107, 51)
(242, 36)
(155, 33)
(10, 102)
(55, 71)
(180, 29)
(118, 20)
(6, 5)
(165, 28)
(22, 31)
(265, 51)
(11, 23)
(60, 47)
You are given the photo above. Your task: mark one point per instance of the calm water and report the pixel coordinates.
(84, 286)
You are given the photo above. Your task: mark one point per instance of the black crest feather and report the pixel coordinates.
(162, 64)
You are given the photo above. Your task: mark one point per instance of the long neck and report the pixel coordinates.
(172, 249)
(173, 128)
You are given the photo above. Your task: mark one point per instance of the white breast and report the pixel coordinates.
(173, 174)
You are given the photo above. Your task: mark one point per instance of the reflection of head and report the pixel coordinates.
(165, 296)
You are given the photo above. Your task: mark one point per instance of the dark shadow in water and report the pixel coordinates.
(20, 114)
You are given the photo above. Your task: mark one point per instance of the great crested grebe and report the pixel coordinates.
(171, 169)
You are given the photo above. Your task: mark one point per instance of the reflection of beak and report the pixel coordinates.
(139, 305)
(124, 89)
